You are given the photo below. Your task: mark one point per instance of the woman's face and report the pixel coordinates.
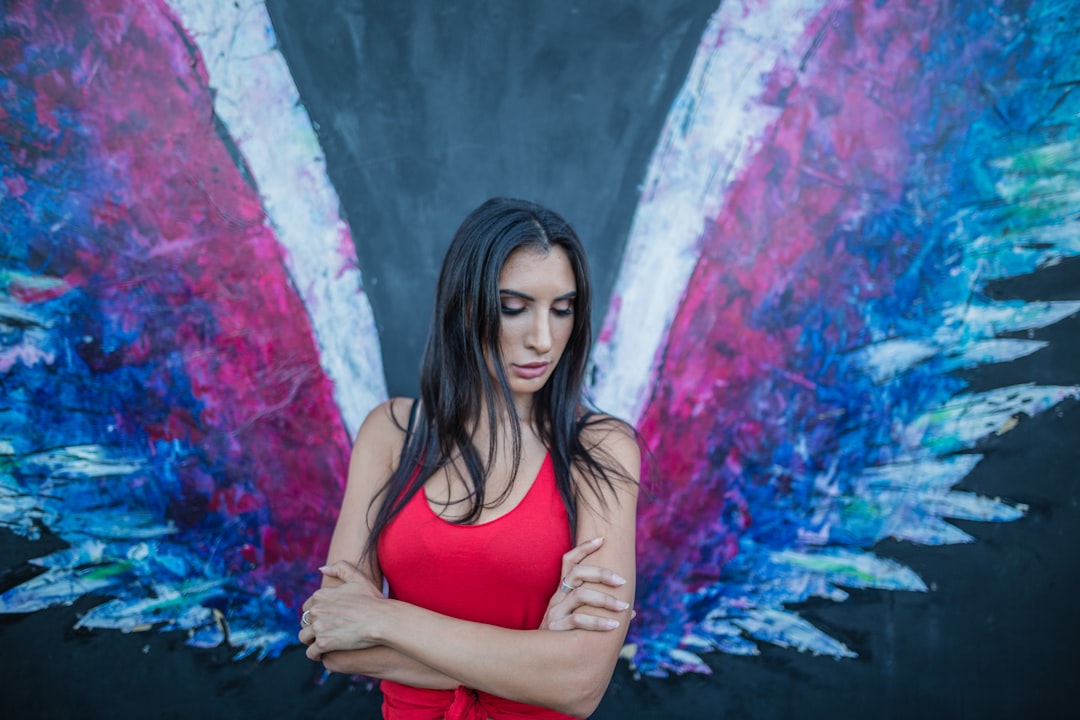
(536, 292)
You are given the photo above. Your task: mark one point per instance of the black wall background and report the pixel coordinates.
(424, 109)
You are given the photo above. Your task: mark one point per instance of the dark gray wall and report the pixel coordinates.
(426, 109)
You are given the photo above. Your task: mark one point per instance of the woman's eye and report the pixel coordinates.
(563, 311)
(507, 310)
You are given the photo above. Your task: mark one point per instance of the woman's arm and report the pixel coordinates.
(386, 663)
(374, 457)
(566, 671)
(563, 613)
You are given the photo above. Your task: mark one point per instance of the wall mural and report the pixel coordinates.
(806, 274)
(833, 191)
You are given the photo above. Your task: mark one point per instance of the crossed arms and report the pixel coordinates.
(565, 664)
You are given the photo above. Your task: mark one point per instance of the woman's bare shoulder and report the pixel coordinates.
(609, 433)
(383, 430)
(615, 445)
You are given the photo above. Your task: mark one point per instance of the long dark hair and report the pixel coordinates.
(456, 384)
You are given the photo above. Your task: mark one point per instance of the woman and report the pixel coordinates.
(470, 501)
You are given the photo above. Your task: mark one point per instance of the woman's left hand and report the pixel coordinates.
(563, 608)
(340, 617)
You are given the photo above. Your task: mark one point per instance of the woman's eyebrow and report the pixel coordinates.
(565, 296)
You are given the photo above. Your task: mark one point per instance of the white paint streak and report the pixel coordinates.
(886, 359)
(707, 139)
(924, 474)
(18, 511)
(988, 319)
(56, 586)
(20, 315)
(969, 506)
(999, 350)
(1042, 181)
(1016, 253)
(26, 354)
(922, 529)
(79, 461)
(967, 337)
(691, 661)
(853, 569)
(258, 103)
(968, 418)
(787, 629)
(130, 614)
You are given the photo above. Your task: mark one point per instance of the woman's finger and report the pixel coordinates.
(587, 597)
(581, 621)
(580, 574)
(579, 552)
(346, 572)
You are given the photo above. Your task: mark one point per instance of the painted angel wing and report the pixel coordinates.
(172, 411)
(808, 265)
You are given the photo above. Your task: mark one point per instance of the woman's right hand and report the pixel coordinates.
(339, 617)
(569, 598)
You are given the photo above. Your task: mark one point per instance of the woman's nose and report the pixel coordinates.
(540, 336)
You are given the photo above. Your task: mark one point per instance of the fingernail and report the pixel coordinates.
(324, 568)
(622, 605)
(596, 540)
(618, 579)
(612, 624)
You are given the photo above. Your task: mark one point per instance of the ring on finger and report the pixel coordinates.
(565, 586)
(304, 618)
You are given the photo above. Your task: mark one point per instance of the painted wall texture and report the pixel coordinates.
(837, 246)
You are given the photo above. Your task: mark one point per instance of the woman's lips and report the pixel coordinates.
(530, 370)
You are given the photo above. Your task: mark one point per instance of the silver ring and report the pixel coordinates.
(304, 618)
(566, 587)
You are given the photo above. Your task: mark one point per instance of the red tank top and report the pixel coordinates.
(501, 572)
